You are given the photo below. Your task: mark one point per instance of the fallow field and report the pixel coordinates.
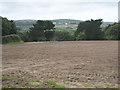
(65, 64)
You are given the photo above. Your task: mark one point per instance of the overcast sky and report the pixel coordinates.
(60, 9)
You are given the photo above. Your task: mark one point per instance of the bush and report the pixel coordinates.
(63, 36)
(41, 39)
(8, 27)
(81, 36)
(24, 36)
(112, 32)
(49, 35)
(10, 38)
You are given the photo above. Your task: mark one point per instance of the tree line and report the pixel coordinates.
(44, 30)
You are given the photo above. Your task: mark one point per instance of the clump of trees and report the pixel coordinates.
(112, 32)
(8, 27)
(89, 30)
(9, 31)
(42, 31)
(45, 31)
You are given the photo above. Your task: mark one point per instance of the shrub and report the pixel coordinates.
(63, 36)
(112, 32)
(24, 36)
(49, 35)
(10, 38)
(81, 36)
(41, 38)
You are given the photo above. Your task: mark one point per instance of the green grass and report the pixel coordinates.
(13, 87)
(35, 80)
(54, 84)
(24, 28)
(62, 29)
(9, 88)
(14, 43)
(64, 26)
(6, 78)
(110, 85)
(51, 83)
(33, 86)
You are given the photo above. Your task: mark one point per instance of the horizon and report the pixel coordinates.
(55, 19)
(51, 10)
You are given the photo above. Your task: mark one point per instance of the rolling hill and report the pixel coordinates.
(69, 24)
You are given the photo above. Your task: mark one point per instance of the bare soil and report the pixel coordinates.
(74, 64)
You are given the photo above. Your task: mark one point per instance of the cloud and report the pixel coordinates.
(58, 1)
(59, 9)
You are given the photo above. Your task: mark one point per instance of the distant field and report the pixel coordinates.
(73, 64)
(60, 24)
(70, 28)
(24, 28)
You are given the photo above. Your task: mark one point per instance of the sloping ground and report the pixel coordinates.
(73, 64)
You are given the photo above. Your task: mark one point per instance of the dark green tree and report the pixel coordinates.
(91, 29)
(13, 27)
(8, 27)
(37, 32)
(112, 31)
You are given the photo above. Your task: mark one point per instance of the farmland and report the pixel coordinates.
(73, 64)
(60, 24)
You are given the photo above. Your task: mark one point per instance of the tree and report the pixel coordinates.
(5, 27)
(112, 31)
(37, 32)
(8, 27)
(91, 29)
(13, 27)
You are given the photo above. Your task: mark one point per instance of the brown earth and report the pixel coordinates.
(74, 64)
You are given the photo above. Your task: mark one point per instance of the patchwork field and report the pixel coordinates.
(73, 64)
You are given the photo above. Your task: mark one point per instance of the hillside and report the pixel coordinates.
(56, 21)
(69, 24)
(21, 23)
(61, 24)
(66, 21)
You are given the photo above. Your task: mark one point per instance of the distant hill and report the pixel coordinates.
(26, 24)
(21, 23)
(66, 21)
(105, 24)
(56, 21)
